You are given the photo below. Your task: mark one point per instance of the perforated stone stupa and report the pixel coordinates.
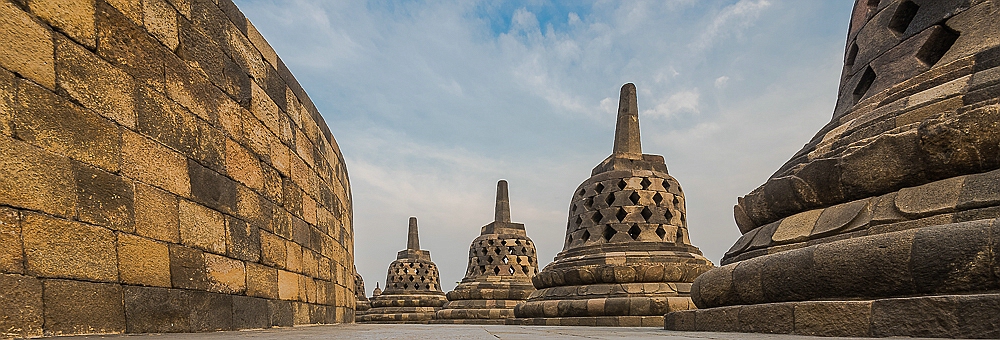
(627, 258)
(361, 304)
(412, 286)
(502, 262)
(885, 223)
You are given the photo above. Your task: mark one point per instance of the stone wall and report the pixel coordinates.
(162, 171)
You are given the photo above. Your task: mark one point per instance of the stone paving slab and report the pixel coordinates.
(458, 332)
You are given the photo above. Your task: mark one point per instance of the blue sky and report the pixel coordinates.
(432, 102)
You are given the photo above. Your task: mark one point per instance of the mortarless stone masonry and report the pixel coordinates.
(412, 286)
(502, 262)
(162, 171)
(885, 223)
(627, 257)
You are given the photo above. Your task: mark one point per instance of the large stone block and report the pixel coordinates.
(225, 275)
(156, 310)
(250, 312)
(840, 318)
(187, 268)
(242, 240)
(104, 198)
(143, 261)
(11, 247)
(202, 227)
(211, 188)
(153, 163)
(121, 41)
(64, 249)
(21, 306)
(26, 46)
(35, 179)
(75, 18)
(243, 166)
(156, 214)
(262, 281)
(160, 19)
(95, 83)
(56, 124)
(273, 250)
(76, 307)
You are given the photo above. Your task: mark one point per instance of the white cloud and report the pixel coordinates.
(721, 82)
(732, 20)
(677, 103)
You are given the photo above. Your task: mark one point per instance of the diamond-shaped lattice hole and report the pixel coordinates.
(680, 235)
(597, 217)
(645, 183)
(589, 202)
(529, 259)
(510, 250)
(609, 232)
(524, 270)
(517, 242)
(579, 220)
(504, 260)
(667, 215)
(572, 208)
(406, 285)
(621, 214)
(482, 269)
(622, 184)
(610, 199)
(646, 214)
(583, 191)
(510, 270)
(634, 231)
(585, 238)
(496, 270)
(518, 260)
(660, 232)
(411, 278)
(489, 259)
(657, 198)
(599, 188)
(503, 243)
(634, 197)
(497, 250)
(569, 239)
(491, 242)
(524, 250)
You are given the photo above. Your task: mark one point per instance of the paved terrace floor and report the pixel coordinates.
(449, 332)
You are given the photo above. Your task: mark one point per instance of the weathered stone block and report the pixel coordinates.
(876, 265)
(282, 313)
(35, 179)
(250, 312)
(950, 259)
(143, 262)
(211, 188)
(273, 250)
(187, 268)
(156, 310)
(288, 285)
(96, 84)
(132, 9)
(722, 319)
(155, 164)
(262, 281)
(123, 42)
(202, 227)
(11, 247)
(55, 124)
(26, 46)
(293, 261)
(103, 198)
(54, 248)
(210, 311)
(21, 306)
(156, 214)
(160, 19)
(680, 321)
(796, 228)
(76, 307)
(225, 275)
(767, 318)
(242, 240)
(838, 318)
(243, 166)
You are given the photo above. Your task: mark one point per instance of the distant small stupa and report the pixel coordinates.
(502, 262)
(412, 286)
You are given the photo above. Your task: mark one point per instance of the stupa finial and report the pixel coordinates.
(627, 142)
(412, 239)
(502, 211)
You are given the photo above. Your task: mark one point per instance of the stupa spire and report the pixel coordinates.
(412, 239)
(502, 211)
(627, 142)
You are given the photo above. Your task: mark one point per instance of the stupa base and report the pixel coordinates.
(940, 316)
(594, 321)
(410, 317)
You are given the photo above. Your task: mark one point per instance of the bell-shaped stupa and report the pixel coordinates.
(627, 258)
(361, 304)
(502, 262)
(412, 286)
